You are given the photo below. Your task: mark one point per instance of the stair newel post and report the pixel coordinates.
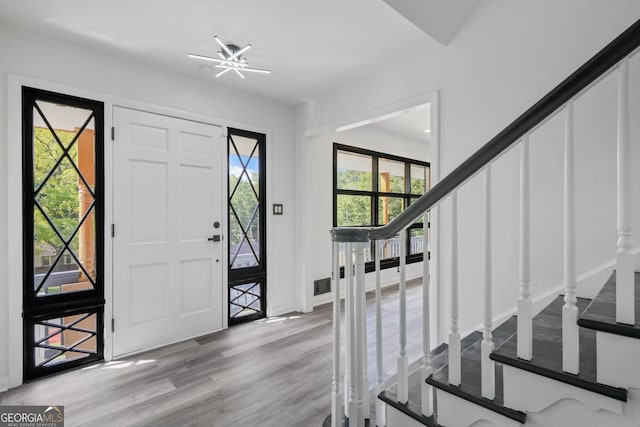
(570, 336)
(454, 335)
(525, 314)
(360, 338)
(336, 402)
(487, 366)
(403, 363)
(381, 419)
(426, 369)
(625, 291)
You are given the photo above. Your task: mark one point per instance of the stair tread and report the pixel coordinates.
(470, 387)
(601, 313)
(547, 352)
(412, 407)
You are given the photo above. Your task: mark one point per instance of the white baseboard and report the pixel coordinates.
(284, 309)
(328, 297)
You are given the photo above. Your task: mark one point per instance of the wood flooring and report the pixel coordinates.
(271, 372)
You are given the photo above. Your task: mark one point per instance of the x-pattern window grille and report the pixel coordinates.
(64, 339)
(46, 180)
(245, 300)
(244, 205)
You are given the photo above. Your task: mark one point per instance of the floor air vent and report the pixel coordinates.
(321, 286)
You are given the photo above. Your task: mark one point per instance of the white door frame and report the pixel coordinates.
(305, 255)
(14, 198)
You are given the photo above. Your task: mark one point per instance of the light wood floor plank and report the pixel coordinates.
(272, 372)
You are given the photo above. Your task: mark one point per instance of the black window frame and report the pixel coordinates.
(52, 306)
(375, 195)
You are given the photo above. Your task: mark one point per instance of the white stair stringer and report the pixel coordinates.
(572, 413)
(453, 411)
(618, 358)
(529, 392)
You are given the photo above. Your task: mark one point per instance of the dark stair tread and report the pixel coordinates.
(438, 360)
(410, 408)
(547, 352)
(601, 313)
(470, 387)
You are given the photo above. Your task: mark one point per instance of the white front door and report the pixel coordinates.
(167, 209)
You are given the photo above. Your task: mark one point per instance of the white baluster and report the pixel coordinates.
(625, 286)
(525, 310)
(350, 333)
(454, 335)
(381, 417)
(570, 336)
(357, 416)
(426, 369)
(336, 403)
(488, 366)
(365, 349)
(403, 364)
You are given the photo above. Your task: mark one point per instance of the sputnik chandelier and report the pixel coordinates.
(230, 58)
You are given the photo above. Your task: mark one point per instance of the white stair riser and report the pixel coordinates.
(618, 359)
(530, 392)
(454, 411)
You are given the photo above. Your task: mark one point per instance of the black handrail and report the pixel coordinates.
(621, 47)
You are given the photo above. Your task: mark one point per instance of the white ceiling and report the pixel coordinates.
(411, 124)
(312, 46)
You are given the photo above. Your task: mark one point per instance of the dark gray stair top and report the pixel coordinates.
(412, 407)
(547, 352)
(470, 386)
(601, 313)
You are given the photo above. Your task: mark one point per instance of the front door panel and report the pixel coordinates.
(167, 197)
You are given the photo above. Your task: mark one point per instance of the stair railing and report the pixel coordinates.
(615, 56)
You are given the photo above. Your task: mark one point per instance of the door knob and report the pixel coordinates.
(215, 238)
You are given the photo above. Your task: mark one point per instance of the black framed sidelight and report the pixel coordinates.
(63, 239)
(247, 225)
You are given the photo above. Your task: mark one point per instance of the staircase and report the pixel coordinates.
(575, 362)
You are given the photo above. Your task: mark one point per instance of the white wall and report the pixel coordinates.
(320, 175)
(507, 56)
(43, 59)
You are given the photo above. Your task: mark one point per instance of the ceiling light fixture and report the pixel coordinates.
(230, 58)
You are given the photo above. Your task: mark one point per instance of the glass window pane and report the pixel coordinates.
(390, 248)
(368, 253)
(419, 179)
(61, 340)
(416, 241)
(389, 208)
(353, 210)
(245, 300)
(64, 205)
(244, 202)
(354, 171)
(390, 176)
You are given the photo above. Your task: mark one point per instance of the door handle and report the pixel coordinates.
(215, 238)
